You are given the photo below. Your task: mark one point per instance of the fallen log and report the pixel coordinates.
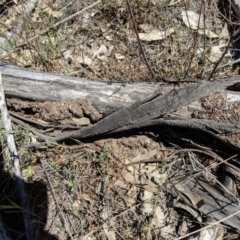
(107, 97)
(124, 107)
(134, 106)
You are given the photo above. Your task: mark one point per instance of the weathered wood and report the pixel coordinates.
(152, 108)
(209, 201)
(149, 108)
(40, 86)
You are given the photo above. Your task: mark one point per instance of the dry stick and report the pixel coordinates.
(15, 163)
(113, 218)
(138, 39)
(48, 29)
(55, 198)
(39, 124)
(26, 42)
(224, 65)
(26, 12)
(195, 39)
(228, 19)
(217, 64)
(206, 152)
(223, 16)
(230, 40)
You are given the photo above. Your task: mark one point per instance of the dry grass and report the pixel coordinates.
(68, 48)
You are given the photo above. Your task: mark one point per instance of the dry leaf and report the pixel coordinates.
(84, 60)
(224, 32)
(9, 22)
(159, 221)
(174, 2)
(215, 54)
(147, 206)
(148, 28)
(76, 205)
(84, 196)
(67, 54)
(208, 33)
(102, 50)
(19, 9)
(118, 56)
(192, 20)
(155, 35)
(26, 57)
(50, 12)
(109, 37)
(147, 176)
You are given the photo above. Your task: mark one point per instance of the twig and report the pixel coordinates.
(224, 17)
(195, 38)
(48, 29)
(206, 152)
(39, 124)
(40, 135)
(138, 39)
(224, 65)
(26, 12)
(26, 43)
(15, 162)
(113, 218)
(56, 201)
(218, 62)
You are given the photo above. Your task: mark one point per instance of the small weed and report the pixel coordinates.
(29, 171)
(103, 162)
(71, 186)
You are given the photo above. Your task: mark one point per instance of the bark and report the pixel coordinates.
(39, 86)
(134, 106)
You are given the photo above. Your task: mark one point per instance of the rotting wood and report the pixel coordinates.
(107, 97)
(153, 109)
(134, 105)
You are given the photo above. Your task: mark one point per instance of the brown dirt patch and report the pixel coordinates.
(66, 112)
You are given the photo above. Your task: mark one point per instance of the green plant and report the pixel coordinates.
(103, 158)
(71, 186)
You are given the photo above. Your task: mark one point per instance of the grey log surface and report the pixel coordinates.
(41, 86)
(124, 107)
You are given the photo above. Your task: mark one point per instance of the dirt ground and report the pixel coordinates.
(91, 190)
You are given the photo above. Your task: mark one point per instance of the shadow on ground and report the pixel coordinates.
(12, 216)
